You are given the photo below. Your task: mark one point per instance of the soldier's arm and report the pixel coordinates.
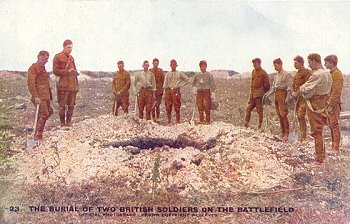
(308, 88)
(212, 83)
(58, 71)
(153, 82)
(127, 84)
(185, 79)
(165, 84)
(113, 85)
(31, 83)
(337, 85)
(266, 82)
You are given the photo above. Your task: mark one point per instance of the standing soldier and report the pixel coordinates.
(146, 84)
(159, 76)
(67, 86)
(174, 80)
(300, 78)
(334, 105)
(120, 89)
(39, 88)
(316, 91)
(282, 87)
(204, 88)
(259, 85)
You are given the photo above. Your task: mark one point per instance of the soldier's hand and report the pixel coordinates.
(72, 71)
(37, 101)
(295, 94)
(213, 96)
(330, 109)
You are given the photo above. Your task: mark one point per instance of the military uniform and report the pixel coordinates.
(146, 86)
(259, 85)
(120, 88)
(282, 84)
(172, 84)
(39, 87)
(159, 76)
(316, 91)
(300, 78)
(204, 85)
(67, 86)
(334, 107)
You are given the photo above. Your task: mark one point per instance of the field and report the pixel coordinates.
(279, 173)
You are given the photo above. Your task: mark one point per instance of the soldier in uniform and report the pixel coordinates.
(67, 86)
(120, 88)
(145, 84)
(39, 88)
(316, 91)
(159, 76)
(259, 85)
(282, 87)
(300, 78)
(204, 88)
(174, 80)
(334, 102)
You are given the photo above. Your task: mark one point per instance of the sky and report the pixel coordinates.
(228, 34)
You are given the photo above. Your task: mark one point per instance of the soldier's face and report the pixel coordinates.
(43, 59)
(68, 48)
(173, 65)
(203, 68)
(145, 66)
(328, 65)
(312, 64)
(297, 64)
(120, 66)
(256, 65)
(155, 64)
(278, 67)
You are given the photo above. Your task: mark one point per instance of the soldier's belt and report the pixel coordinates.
(173, 88)
(203, 90)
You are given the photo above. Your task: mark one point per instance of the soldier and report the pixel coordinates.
(334, 105)
(204, 88)
(67, 86)
(120, 88)
(259, 85)
(145, 84)
(174, 80)
(300, 78)
(282, 87)
(39, 88)
(159, 76)
(316, 91)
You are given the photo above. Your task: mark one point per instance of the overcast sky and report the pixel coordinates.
(228, 34)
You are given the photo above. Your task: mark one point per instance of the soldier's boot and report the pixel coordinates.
(246, 119)
(286, 128)
(335, 142)
(282, 127)
(168, 113)
(201, 116)
(69, 115)
(260, 115)
(319, 148)
(62, 115)
(39, 129)
(207, 117)
(177, 113)
(302, 125)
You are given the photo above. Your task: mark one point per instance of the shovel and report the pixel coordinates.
(193, 112)
(115, 107)
(293, 136)
(31, 143)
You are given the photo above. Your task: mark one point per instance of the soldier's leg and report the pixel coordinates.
(301, 113)
(71, 103)
(259, 110)
(45, 111)
(124, 102)
(158, 102)
(206, 105)
(62, 98)
(199, 104)
(168, 104)
(334, 126)
(279, 116)
(149, 104)
(250, 106)
(177, 104)
(141, 102)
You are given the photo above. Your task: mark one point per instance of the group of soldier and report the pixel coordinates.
(317, 92)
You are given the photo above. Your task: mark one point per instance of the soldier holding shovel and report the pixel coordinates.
(120, 88)
(39, 88)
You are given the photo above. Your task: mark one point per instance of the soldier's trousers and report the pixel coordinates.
(145, 100)
(173, 99)
(254, 103)
(66, 98)
(317, 122)
(203, 101)
(156, 108)
(45, 111)
(121, 101)
(282, 111)
(333, 119)
(301, 114)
